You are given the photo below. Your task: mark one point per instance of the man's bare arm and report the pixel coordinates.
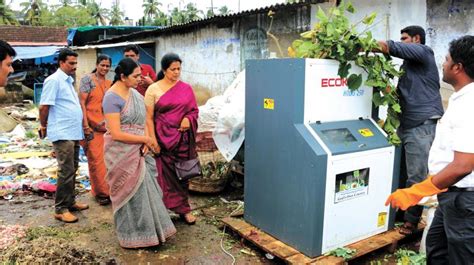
(461, 166)
(43, 115)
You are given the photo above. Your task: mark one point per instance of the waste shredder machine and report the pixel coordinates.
(318, 169)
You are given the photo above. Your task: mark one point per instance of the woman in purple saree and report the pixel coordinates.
(141, 219)
(172, 115)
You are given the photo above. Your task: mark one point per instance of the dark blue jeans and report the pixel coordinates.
(416, 148)
(450, 239)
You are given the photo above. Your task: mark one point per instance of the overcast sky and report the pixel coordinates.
(133, 8)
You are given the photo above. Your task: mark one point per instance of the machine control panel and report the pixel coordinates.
(343, 137)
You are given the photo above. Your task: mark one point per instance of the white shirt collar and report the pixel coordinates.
(469, 88)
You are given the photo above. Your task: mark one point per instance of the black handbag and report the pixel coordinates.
(190, 168)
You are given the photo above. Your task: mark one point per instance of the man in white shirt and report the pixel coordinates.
(450, 239)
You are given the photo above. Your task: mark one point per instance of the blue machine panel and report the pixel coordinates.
(285, 167)
(344, 137)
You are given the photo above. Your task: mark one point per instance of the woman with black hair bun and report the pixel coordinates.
(141, 219)
(172, 115)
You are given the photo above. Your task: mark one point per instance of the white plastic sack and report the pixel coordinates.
(208, 114)
(430, 204)
(19, 132)
(229, 132)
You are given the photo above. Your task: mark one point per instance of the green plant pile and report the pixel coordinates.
(344, 252)
(334, 37)
(409, 257)
(215, 170)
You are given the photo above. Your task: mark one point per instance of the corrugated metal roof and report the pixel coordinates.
(151, 33)
(109, 45)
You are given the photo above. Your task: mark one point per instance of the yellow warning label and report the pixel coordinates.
(382, 219)
(268, 103)
(366, 132)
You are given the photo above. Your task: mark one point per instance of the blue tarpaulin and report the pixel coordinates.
(30, 52)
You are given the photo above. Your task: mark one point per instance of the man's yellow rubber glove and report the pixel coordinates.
(405, 198)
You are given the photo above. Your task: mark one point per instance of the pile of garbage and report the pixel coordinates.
(26, 163)
(50, 250)
(9, 234)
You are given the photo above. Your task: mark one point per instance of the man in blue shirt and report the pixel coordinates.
(421, 106)
(61, 120)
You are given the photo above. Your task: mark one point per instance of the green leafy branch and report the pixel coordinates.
(334, 37)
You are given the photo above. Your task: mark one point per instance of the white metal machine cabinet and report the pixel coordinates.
(317, 167)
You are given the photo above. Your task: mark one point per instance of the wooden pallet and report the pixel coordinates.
(292, 256)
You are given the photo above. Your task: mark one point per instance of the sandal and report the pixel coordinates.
(188, 218)
(407, 229)
(103, 200)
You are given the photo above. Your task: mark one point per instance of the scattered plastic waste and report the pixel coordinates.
(26, 162)
(269, 256)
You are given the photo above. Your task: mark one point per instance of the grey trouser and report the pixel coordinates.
(416, 148)
(67, 155)
(450, 239)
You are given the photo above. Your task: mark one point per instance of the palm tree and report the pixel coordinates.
(7, 17)
(151, 8)
(177, 16)
(161, 19)
(224, 10)
(32, 12)
(192, 13)
(116, 15)
(99, 14)
(210, 13)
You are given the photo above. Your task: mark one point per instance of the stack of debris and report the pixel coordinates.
(26, 164)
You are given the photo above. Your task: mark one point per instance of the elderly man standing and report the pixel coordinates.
(6, 58)
(420, 101)
(61, 120)
(450, 239)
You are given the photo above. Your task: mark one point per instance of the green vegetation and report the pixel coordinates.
(62, 232)
(46, 231)
(409, 257)
(7, 16)
(334, 37)
(89, 13)
(30, 134)
(116, 14)
(345, 253)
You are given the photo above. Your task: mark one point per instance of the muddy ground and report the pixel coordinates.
(93, 239)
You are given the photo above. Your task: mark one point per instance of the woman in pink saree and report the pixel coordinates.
(172, 115)
(140, 217)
